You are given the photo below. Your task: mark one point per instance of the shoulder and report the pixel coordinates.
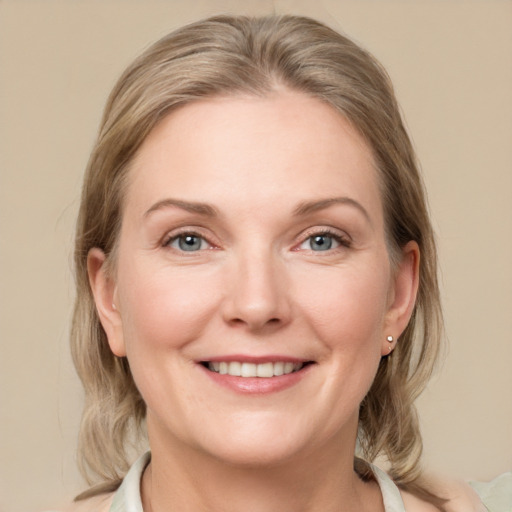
(100, 503)
(496, 494)
(414, 504)
(459, 495)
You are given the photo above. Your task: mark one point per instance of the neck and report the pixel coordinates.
(184, 479)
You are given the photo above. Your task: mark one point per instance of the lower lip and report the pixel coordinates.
(258, 385)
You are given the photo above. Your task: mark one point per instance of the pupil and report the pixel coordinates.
(321, 243)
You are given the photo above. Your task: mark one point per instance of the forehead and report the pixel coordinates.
(245, 149)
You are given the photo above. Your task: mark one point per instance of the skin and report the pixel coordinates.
(268, 169)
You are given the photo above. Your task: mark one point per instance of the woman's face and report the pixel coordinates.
(253, 292)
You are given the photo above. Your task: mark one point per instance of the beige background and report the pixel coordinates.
(451, 62)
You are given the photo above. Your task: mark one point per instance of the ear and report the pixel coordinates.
(402, 295)
(105, 296)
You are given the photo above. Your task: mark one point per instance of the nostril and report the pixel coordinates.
(256, 324)
(269, 321)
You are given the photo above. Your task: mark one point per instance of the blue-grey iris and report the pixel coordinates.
(189, 243)
(321, 242)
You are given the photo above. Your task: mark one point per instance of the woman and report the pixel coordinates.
(256, 277)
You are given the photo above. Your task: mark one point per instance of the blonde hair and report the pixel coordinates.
(228, 55)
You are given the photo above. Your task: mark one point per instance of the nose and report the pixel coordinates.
(257, 294)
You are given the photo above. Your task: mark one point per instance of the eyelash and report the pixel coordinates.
(342, 240)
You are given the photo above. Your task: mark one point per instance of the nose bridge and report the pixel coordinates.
(257, 291)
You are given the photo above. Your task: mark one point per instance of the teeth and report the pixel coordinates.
(248, 370)
(235, 368)
(278, 369)
(264, 370)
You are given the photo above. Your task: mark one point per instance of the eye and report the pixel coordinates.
(188, 242)
(325, 241)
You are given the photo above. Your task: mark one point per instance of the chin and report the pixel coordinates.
(254, 455)
(261, 442)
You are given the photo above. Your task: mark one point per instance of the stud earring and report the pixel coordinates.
(390, 340)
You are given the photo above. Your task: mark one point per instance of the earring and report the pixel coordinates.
(114, 306)
(390, 340)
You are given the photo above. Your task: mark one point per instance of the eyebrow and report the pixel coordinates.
(303, 208)
(322, 204)
(192, 207)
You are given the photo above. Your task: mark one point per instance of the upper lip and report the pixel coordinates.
(242, 358)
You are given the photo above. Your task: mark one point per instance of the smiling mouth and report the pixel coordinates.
(263, 370)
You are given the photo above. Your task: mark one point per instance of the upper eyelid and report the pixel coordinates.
(324, 230)
(176, 233)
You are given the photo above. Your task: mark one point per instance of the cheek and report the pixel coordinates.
(165, 307)
(345, 300)
(164, 311)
